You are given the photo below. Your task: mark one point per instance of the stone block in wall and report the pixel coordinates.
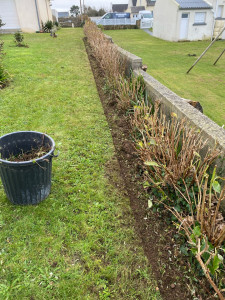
(133, 62)
(109, 38)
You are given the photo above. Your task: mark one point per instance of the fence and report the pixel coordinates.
(144, 23)
(114, 22)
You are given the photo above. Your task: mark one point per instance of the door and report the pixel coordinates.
(184, 26)
(8, 14)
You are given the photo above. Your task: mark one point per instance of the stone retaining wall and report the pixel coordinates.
(171, 102)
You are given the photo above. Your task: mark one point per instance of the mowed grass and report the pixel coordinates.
(168, 62)
(80, 242)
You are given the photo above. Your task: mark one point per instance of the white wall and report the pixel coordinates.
(165, 20)
(27, 15)
(55, 14)
(218, 24)
(9, 16)
(45, 12)
(197, 32)
(24, 13)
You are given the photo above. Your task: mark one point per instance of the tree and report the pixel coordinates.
(101, 12)
(74, 10)
(92, 12)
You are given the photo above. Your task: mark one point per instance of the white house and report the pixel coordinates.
(134, 6)
(177, 20)
(219, 15)
(24, 15)
(55, 15)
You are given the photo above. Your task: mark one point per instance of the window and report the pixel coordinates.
(220, 11)
(184, 16)
(200, 17)
(108, 16)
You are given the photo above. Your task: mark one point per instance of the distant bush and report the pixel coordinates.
(1, 23)
(47, 26)
(56, 23)
(19, 40)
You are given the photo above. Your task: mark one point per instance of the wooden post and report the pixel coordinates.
(206, 50)
(219, 57)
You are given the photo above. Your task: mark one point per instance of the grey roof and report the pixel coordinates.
(136, 9)
(193, 4)
(119, 7)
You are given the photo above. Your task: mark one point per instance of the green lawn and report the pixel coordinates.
(80, 243)
(168, 62)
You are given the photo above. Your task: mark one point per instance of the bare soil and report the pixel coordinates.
(171, 269)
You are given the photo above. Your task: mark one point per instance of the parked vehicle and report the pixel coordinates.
(146, 18)
(108, 16)
(145, 14)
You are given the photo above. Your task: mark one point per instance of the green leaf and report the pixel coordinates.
(151, 164)
(140, 144)
(197, 231)
(146, 184)
(184, 250)
(216, 186)
(177, 208)
(194, 251)
(216, 263)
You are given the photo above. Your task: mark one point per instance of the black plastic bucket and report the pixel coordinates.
(27, 182)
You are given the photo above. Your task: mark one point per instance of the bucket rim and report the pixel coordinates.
(29, 162)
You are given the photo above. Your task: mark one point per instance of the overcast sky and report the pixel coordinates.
(64, 5)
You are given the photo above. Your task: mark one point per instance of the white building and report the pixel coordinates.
(177, 20)
(24, 15)
(219, 15)
(55, 15)
(134, 6)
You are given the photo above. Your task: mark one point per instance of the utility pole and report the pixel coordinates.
(80, 7)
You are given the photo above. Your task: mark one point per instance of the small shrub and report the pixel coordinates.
(47, 27)
(169, 149)
(130, 92)
(19, 40)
